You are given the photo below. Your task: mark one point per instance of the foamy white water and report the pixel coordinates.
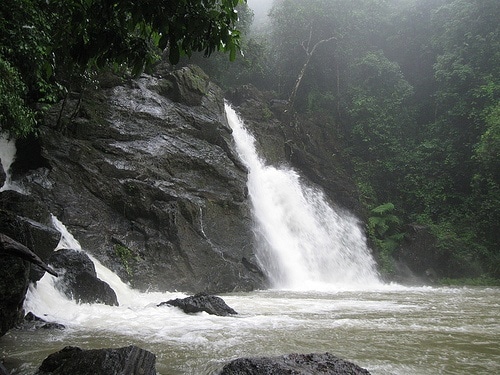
(303, 242)
(390, 330)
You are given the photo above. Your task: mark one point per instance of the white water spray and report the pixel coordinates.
(303, 242)
(7, 156)
(45, 300)
(124, 293)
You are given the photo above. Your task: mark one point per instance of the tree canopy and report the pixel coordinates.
(412, 88)
(45, 45)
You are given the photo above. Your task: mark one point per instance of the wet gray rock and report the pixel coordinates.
(10, 247)
(130, 360)
(3, 370)
(202, 302)
(298, 364)
(2, 177)
(146, 178)
(26, 220)
(15, 260)
(13, 285)
(25, 244)
(78, 278)
(33, 322)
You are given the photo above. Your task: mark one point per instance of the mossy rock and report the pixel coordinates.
(187, 85)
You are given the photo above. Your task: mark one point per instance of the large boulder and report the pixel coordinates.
(78, 278)
(298, 364)
(26, 220)
(201, 303)
(145, 176)
(13, 285)
(15, 260)
(130, 360)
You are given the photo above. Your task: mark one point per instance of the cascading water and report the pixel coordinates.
(7, 156)
(303, 243)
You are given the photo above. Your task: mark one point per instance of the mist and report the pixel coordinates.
(260, 9)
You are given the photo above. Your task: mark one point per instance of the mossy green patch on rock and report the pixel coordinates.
(126, 255)
(189, 85)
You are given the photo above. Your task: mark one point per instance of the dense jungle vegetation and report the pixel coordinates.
(411, 87)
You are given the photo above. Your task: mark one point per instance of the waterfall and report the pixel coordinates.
(7, 156)
(302, 242)
(123, 291)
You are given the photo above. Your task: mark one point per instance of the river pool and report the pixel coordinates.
(389, 330)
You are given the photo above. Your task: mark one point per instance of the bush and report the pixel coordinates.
(16, 117)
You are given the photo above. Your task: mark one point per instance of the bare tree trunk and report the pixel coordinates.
(293, 94)
(309, 54)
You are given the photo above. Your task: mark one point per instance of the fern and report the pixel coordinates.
(383, 208)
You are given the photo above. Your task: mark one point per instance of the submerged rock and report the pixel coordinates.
(130, 360)
(202, 302)
(33, 322)
(78, 279)
(298, 364)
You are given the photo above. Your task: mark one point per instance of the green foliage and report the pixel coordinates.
(377, 108)
(384, 229)
(96, 32)
(54, 46)
(15, 117)
(27, 63)
(477, 281)
(251, 65)
(414, 90)
(487, 150)
(319, 100)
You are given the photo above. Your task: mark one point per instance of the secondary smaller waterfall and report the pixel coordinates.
(123, 292)
(303, 242)
(7, 156)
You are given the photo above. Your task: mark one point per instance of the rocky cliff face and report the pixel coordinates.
(144, 175)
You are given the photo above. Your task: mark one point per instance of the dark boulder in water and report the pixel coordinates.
(15, 270)
(79, 279)
(13, 286)
(202, 302)
(8, 246)
(26, 220)
(33, 322)
(130, 360)
(298, 364)
(3, 177)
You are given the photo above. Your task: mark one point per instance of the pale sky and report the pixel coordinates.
(260, 8)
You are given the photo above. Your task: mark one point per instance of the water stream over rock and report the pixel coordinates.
(304, 243)
(7, 156)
